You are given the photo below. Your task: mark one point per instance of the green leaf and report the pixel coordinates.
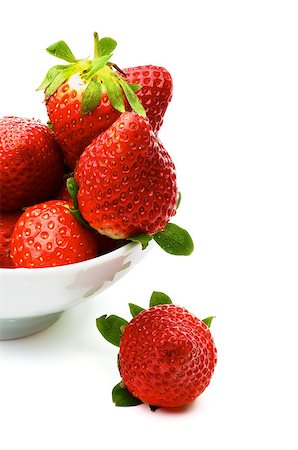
(106, 46)
(134, 87)
(179, 200)
(159, 298)
(208, 320)
(52, 73)
(111, 328)
(73, 189)
(132, 98)
(114, 92)
(91, 96)
(174, 240)
(144, 240)
(61, 50)
(135, 309)
(61, 76)
(122, 397)
(78, 216)
(96, 65)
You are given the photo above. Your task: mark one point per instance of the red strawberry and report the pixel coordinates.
(47, 234)
(127, 180)
(167, 355)
(73, 129)
(86, 96)
(31, 163)
(156, 92)
(7, 224)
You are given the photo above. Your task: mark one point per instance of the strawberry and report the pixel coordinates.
(83, 98)
(126, 180)
(47, 234)
(156, 92)
(31, 163)
(7, 224)
(167, 355)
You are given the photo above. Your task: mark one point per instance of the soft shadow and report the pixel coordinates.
(186, 409)
(70, 332)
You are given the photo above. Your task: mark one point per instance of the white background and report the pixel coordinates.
(232, 131)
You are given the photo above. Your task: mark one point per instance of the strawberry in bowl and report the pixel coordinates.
(84, 97)
(47, 235)
(31, 163)
(127, 180)
(7, 224)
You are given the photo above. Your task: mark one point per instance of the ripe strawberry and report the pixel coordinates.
(84, 97)
(126, 180)
(7, 224)
(167, 355)
(156, 92)
(47, 234)
(31, 163)
(73, 129)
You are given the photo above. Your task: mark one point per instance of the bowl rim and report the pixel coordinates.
(32, 271)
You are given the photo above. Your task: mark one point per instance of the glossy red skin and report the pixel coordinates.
(127, 180)
(74, 130)
(156, 92)
(48, 235)
(7, 224)
(167, 356)
(31, 163)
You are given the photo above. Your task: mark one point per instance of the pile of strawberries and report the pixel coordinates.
(96, 174)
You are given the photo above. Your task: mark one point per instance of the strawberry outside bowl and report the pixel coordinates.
(33, 299)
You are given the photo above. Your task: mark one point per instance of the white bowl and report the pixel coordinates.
(33, 299)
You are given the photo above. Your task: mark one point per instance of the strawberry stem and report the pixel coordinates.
(96, 45)
(117, 68)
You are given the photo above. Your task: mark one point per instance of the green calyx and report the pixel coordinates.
(122, 397)
(173, 240)
(112, 327)
(72, 187)
(100, 75)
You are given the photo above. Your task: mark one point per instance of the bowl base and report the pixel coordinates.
(18, 328)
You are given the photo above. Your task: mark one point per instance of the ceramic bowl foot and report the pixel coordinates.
(17, 328)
